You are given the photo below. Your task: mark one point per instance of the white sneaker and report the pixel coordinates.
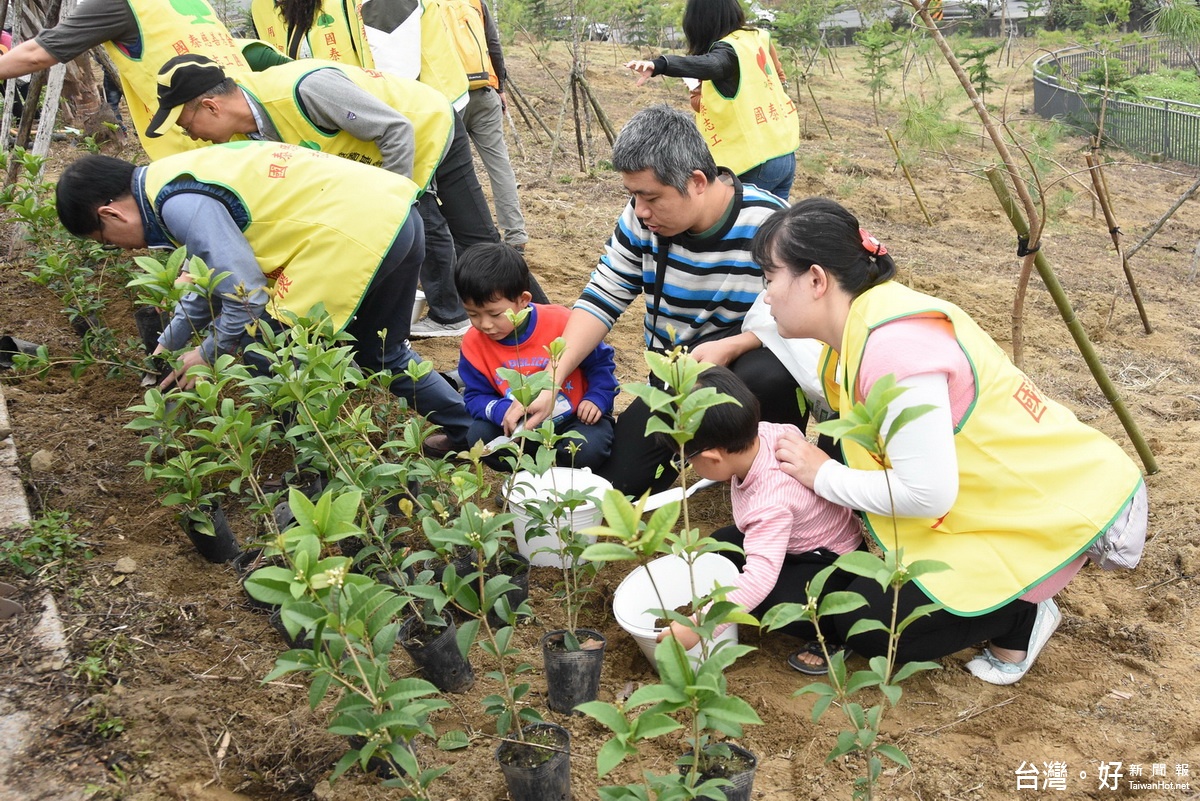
(424, 329)
(995, 671)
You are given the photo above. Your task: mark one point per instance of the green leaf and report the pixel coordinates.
(654, 724)
(860, 563)
(910, 668)
(839, 603)
(606, 715)
(454, 740)
(607, 552)
(893, 753)
(863, 625)
(611, 754)
(923, 566)
(781, 615)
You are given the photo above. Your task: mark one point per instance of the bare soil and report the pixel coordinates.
(1116, 684)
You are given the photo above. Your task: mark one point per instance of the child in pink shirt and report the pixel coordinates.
(788, 532)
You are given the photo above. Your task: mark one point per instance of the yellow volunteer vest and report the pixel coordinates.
(432, 118)
(1036, 486)
(307, 228)
(759, 122)
(337, 33)
(464, 21)
(168, 30)
(440, 65)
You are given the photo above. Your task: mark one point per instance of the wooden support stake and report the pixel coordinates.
(907, 175)
(1115, 232)
(1073, 325)
(1154, 229)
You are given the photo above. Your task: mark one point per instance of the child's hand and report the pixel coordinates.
(513, 418)
(686, 637)
(588, 412)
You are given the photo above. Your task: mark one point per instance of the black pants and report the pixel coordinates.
(794, 576)
(933, 636)
(639, 463)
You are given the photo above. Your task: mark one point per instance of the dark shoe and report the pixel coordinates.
(819, 668)
(437, 446)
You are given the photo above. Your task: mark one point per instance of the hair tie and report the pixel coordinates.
(871, 244)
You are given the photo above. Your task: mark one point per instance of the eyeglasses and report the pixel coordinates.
(187, 127)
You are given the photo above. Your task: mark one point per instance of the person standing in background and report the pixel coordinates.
(744, 114)
(473, 26)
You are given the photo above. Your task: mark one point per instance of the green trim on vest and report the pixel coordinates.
(277, 91)
(288, 192)
(1036, 486)
(165, 33)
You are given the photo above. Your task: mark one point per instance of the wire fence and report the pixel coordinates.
(1064, 88)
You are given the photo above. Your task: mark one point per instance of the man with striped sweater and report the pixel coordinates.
(683, 242)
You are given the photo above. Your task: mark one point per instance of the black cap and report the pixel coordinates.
(181, 80)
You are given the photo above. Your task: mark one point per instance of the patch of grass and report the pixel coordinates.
(52, 541)
(1181, 85)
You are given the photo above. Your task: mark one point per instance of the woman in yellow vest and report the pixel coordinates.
(742, 110)
(331, 30)
(996, 480)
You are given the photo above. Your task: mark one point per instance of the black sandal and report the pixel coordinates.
(813, 648)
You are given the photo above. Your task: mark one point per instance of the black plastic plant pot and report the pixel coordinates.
(463, 561)
(435, 652)
(11, 346)
(302, 640)
(738, 767)
(149, 322)
(221, 545)
(572, 677)
(538, 769)
(516, 567)
(245, 563)
(380, 766)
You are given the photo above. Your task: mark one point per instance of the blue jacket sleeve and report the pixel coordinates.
(482, 400)
(600, 370)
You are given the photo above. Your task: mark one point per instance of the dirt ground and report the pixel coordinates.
(1117, 684)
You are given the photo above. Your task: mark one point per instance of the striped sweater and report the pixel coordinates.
(710, 282)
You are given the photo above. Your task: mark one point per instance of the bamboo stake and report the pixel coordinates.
(817, 106)
(1115, 233)
(605, 123)
(1035, 223)
(1074, 326)
(1154, 229)
(907, 175)
(524, 105)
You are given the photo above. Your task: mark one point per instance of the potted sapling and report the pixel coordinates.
(691, 688)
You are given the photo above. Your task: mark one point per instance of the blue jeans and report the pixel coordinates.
(387, 305)
(774, 176)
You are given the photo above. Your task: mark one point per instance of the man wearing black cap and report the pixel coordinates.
(361, 114)
(284, 226)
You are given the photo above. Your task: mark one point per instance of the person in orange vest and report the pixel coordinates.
(744, 114)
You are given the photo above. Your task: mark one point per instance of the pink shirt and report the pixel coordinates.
(778, 516)
(920, 345)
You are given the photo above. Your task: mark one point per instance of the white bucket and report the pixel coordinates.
(419, 306)
(543, 550)
(635, 597)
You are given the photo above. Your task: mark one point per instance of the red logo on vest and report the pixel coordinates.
(1030, 400)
